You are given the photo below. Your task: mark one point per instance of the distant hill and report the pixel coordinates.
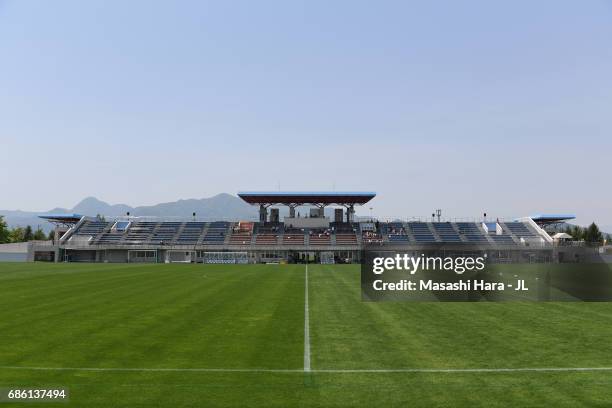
(221, 206)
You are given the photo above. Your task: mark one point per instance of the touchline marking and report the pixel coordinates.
(306, 324)
(332, 371)
(463, 370)
(169, 369)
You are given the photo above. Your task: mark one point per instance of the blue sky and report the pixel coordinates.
(470, 107)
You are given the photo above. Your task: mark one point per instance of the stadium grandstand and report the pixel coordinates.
(296, 238)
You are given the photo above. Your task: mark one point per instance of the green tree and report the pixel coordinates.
(28, 234)
(39, 234)
(592, 234)
(16, 235)
(4, 231)
(51, 236)
(576, 233)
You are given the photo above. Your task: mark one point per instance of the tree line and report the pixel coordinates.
(21, 234)
(590, 234)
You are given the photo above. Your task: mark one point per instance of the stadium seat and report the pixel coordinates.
(446, 232)
(421, 232)
(471, 232)
(216, 232)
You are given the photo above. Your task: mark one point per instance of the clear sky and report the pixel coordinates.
(470, 106)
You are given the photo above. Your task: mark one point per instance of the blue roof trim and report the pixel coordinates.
(308, 193)
(60, 216)
(552, 217)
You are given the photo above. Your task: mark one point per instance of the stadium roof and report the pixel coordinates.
(63, 218)
(551, 218)
(306, 197)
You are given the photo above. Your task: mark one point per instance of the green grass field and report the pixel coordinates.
(208, 336)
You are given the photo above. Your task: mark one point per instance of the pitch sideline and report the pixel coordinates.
(331, 371)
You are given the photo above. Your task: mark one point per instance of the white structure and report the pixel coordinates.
(27, 251)
(561, 236)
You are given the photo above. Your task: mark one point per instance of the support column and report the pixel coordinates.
(320, 210)
(263, 213)
(350, 213)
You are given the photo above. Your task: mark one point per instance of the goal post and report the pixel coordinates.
(180, 256)
(327, 258)
(142, 256)
(225, 257)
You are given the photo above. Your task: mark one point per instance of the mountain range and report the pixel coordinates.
(221, 206)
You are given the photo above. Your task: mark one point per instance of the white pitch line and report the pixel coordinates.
(169, 369)
(464, 370)
(332, 371)
(306, 324)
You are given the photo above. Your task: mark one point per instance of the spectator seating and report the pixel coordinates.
(272, 234)
(139, 233)
(395, 231)
(345, 232)
(216, 232)
(421, 233)
(346, 238)
(370, 237)
(520, 229)
(293, 236)
(446, 232)
(267, 233)
(242, 233)
(471, 232)
(319, 237)
(166, 231)
(190, 234)
(93, 227)
(110, 237)
(266, 238)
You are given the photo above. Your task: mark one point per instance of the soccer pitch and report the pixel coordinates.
(256, 335)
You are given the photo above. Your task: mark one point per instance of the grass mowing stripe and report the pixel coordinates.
(354, 334)
(183, 315)
(320, 370)
(50, 304)
(231, 335)
(102, 324)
